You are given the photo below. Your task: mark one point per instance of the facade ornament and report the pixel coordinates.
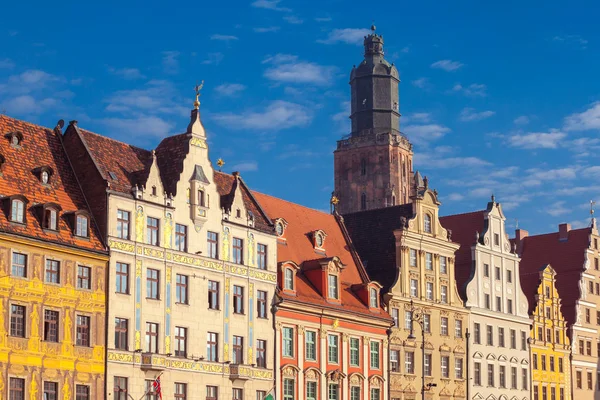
(197, 88)
(336, 323)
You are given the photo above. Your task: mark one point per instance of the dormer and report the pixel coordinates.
(44, 175)
(199, 197)
(369, 293)
(318, 239)
(325, 274)
(49, 214)
(287, 277)
(80, 221)
(280, 229)
(16, 208)
(15, 139)
(152, 187)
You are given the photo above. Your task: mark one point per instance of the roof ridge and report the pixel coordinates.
(114, 140)
(555, 233)
(290, 202)
(20, 121)
(461, 214)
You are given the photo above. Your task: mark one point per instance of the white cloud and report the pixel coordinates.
(422, 83)
(346, 35)
(225, 38)
(421, 117)
(288, 69)
(266, 29)
(455, 197)
(154, 97)
(170, 61)
(213, 59)
(556, 174)
(473, 90)
(521, 120)
(280, 58)
(323, 19)
(127, 73)
(481, 192)
(574, 40)
(592, 172)
(557, 208)
(587, 120)
(537, 140)
(142, 125)
(469, 114)
(423, 134)
(6, 63)
(230, 89)
(447, 65)
(247, 166)
(292, 19)
(439, 161)
(278, 115)
(270, 5)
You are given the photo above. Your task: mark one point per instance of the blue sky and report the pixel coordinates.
(497, 97)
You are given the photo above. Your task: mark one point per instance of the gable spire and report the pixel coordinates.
(195, 127)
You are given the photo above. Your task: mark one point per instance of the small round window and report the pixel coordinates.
(319, 240)
(45, 176)
(279, 228)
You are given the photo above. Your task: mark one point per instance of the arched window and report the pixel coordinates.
(373, 298)
(393, 200)
(81, 226)
(288, 279)
(363, 201)
(427, 223)
(17, 213)
(363, 167)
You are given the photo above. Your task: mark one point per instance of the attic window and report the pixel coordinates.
(50, 218)
(16, 139)
(427, 223)
(319, 239)
(17, 211)
(373, 298)
(82, 225)
(238, 213)
(333, 287)
(201, 198)
(288, 281)
(113, 176)
(279, 228)
(153, 190)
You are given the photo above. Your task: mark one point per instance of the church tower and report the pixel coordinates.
(373, 165)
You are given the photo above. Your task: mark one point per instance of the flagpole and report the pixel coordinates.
(148, 391)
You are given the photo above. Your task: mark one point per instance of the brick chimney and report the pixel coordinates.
(563, 231)
(520, 234)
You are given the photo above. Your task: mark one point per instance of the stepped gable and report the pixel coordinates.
(298, 248)
(19, 175)
(567, 257)
(464, 228)
(372, 233)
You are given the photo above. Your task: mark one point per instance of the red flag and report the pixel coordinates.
(156, 387)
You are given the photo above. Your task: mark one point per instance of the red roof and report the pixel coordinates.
(464, 228)
(567, 257)
(41, 147)
(298, 247)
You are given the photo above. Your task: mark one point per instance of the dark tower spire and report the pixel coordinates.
(373, 165)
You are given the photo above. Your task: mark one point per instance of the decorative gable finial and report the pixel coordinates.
(220, 163)
(333, 202)
(493, 199)
(198, 88)
(592, 211)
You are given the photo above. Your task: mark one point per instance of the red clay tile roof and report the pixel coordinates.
(372, 233)
(463, 227)
(170, 154)
(567, 257)
(41, 147)
(302, 221)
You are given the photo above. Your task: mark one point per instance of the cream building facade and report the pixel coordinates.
(192, 271)
(489, 278)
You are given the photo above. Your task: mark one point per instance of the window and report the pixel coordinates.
(152, 278)
(354, 393)
(180, 391)
(123, 218)
(375, 394)
(83, 277)
(488, 304)
(17, 211)
(498, 303)
(238, 251)
(238, 394)
(578, 379)
(81, 227)
(181, 290)
(396, 317)
(212, 244)
(238, 350)
(122, 278)
(444, 326)
(180, 237)
(429, 290)
(501, 337)
(427, 323)
(82, 392)
(261, 261)
(536, 392)
(212, 349)
(547, 291)
(444, 294)
(238, 299)
(310, 351)
(409, 362)
(261, 353)
(543, 357)
(444, 363)
(413, 257)
(513, 339)
(589, 348)
(429, 261)
(180, 341)
(560, 365)
(149, 390)
(553, 393)
(374, 354)
(19, 265)
(535, 361)
(590, 385)
(513, 377)
(17, 389)
(288, 389)
(332, 392)
(151, 337)
(213, 295)
(83, 331)
(414, 290)
(51, 326)
(50, 219)
(496, 239)
(152, 231)
(201, 198)
(562, 393)
(486, 270)
(477, 374)
(443, 265)
(288, 342)
(427, 223)
(523, 340)
(490, 369)
(502, 376)
(121, 339)
(477, 329)
(458, 368)
(407, 320)
(498, 274)
(261, 304)
(458, 328)
(354, 352)
(394, 364)
(261, 394)
(311, 390)
(332, 348)
(428, 364)
(212, 393)
(288, 279)
(333, 286)
(524, 379)
(120, 388)
(373, 298)
(509, 306)
(508, 276)
(552, 363)
(490, 335)
(52, 271)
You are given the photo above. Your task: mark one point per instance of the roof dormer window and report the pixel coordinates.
(45, 177)
(50, 218)
(427, 223)
(44, 174)
(373, 298)
(288, 279)
(16, 139)
(319, 239)
(17, 211)
(333, 287)
(154, 191)
(82, 225)
(280, 228)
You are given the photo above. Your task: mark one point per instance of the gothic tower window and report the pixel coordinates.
(363, 201)
(363, 167)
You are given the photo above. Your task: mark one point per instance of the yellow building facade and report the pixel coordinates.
(550, 345)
